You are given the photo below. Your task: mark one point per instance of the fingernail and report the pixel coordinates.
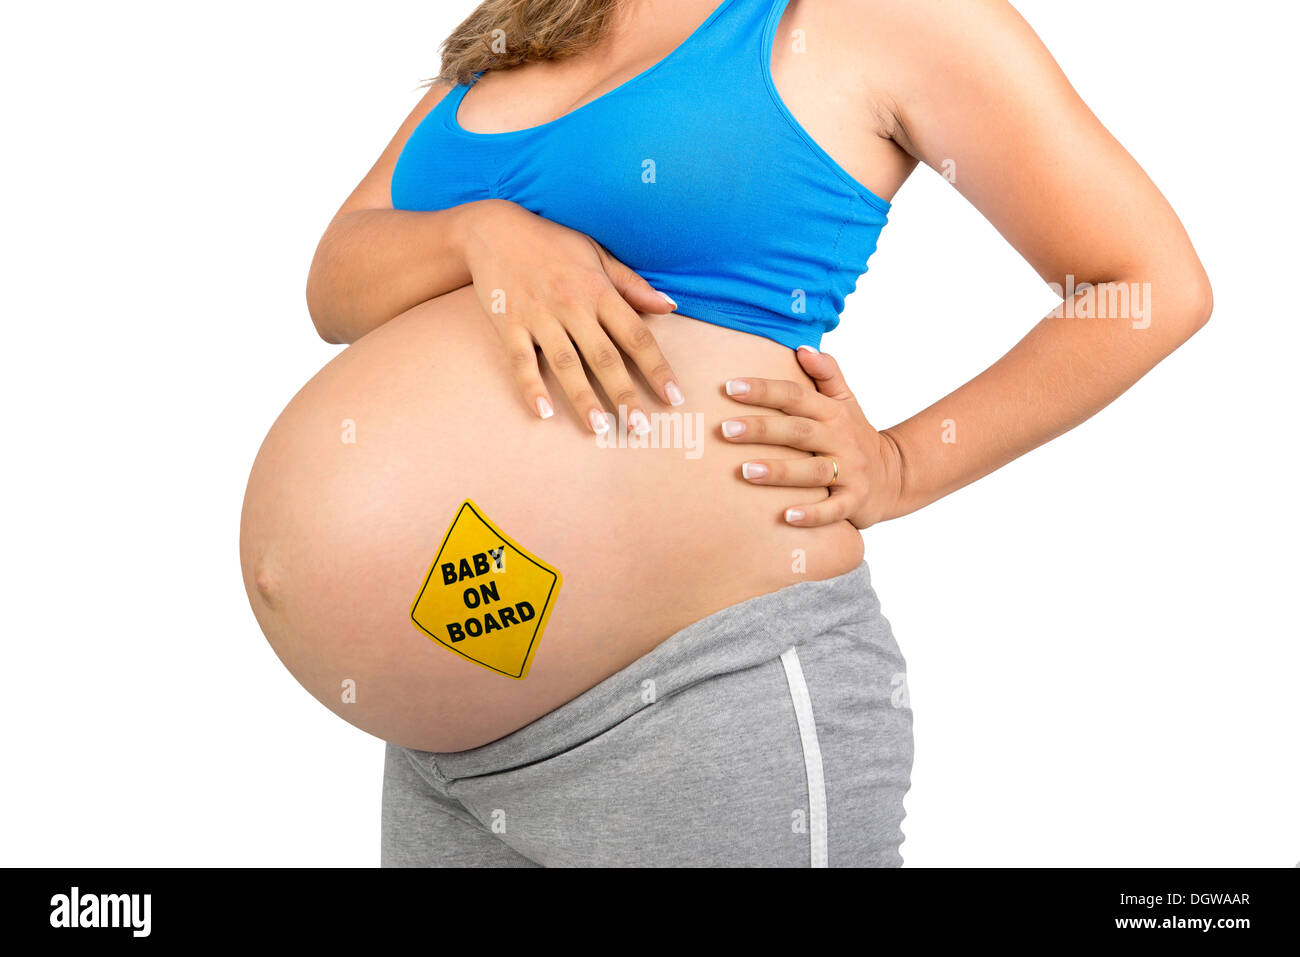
(793, 515)
(731, 428)
(753, 470)
(808, 349)
(640, 424)
(669, 299)
(544, 408)
(737, 387)
(675, 396)
(599, 421)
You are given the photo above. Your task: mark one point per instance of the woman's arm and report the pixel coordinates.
(374, 262)
(975, 91)
(542, 285)
(970, 90)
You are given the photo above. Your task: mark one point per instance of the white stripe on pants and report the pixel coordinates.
(812, 756)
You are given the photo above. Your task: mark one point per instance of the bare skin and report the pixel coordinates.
(969, 90)
(336, 538)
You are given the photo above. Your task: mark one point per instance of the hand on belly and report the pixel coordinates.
(360, 478)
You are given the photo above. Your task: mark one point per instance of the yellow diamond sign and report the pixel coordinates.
(486, 597)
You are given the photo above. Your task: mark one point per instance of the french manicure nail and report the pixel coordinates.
(675, 396)
(599, 422)
(544, 408)
(793, 515)
(731, 428)
(669, 299)
(640, 424)
(753, 470)
(737, 387)
(808, 349)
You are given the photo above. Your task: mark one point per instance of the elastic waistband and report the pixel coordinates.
(738, 637)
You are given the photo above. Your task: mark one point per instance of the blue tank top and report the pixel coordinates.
(693, 173)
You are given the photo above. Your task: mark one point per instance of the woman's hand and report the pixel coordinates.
(547, 285)
(830, 423)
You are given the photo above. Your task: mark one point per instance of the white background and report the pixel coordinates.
(1101, 637)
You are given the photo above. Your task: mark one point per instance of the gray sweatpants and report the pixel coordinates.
(776, 732)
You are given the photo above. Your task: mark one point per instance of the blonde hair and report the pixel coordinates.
(503, 33)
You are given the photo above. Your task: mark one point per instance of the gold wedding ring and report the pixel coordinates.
(834, 475)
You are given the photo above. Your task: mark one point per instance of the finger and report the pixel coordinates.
(523, 365)
(635, 338)
(824, 371)
(792, 431)
(636, 292)
(607, 363)
(562, 356)
(789, 397)
(837, 508)
(809, 472)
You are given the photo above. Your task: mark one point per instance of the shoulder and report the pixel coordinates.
(915, 34)
(930, 17)
(914, 51)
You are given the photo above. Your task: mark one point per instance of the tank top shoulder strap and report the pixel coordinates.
(736, 38)
(741, 23)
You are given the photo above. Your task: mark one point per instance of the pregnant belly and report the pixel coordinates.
(360, 477)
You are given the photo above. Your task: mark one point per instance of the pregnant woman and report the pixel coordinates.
(574, 522)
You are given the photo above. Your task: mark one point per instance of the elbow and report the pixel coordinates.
(327, 336)
(1185, 307)
(321, 294)
(1200, 302)
(1195, 303)
(320, 318)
